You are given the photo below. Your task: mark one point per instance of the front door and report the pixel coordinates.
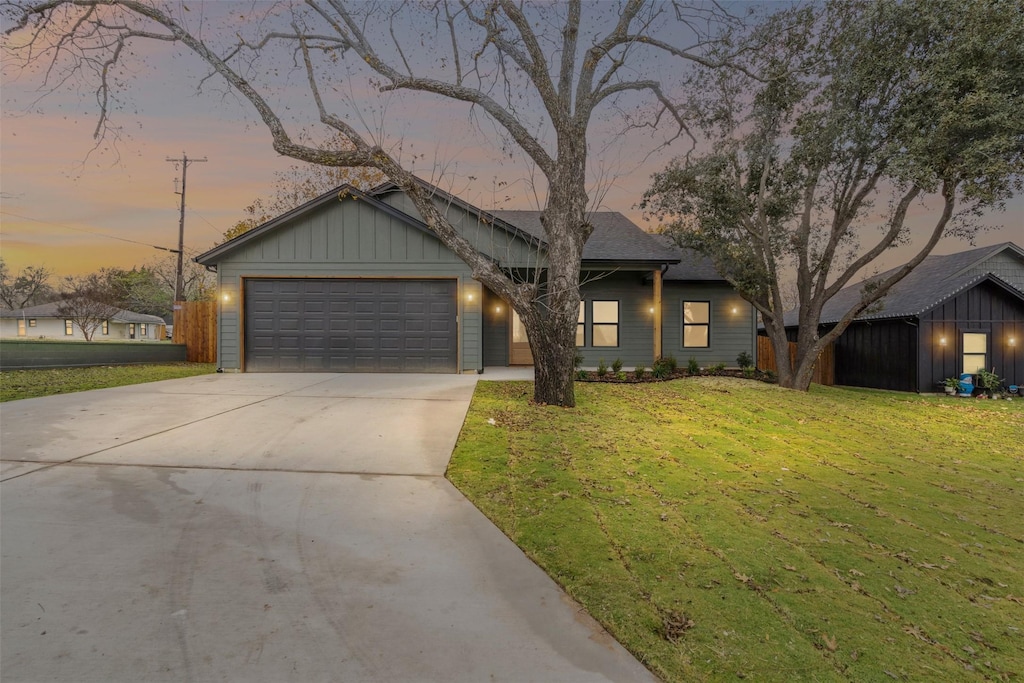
(519, 349)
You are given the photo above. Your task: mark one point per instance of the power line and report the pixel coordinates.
(91, 232)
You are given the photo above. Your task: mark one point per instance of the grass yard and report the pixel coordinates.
(724, 529)
(17, 384)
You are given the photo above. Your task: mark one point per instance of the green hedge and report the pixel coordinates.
(26, 355)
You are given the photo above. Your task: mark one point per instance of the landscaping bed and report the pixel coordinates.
(723, 529)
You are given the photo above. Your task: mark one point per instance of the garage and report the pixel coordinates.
(350, 325)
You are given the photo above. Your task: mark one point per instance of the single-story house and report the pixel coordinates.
(952, 314)
(45, 322)
(355, 282)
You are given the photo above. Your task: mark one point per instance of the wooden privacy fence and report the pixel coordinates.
(824, 368)
(195, 326)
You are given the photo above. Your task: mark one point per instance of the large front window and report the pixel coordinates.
(975, 349)
(605, 329)
(697, 324)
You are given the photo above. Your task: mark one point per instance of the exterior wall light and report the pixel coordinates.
(469, 297)
(651, 309)
(1013, 341)
(942, 341)
(497, 309)
(735, 310)
(226, 297)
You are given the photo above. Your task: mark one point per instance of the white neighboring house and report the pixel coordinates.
(43, 321)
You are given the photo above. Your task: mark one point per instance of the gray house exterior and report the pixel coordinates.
(356, 282)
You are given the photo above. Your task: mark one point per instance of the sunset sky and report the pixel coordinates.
(70, 206)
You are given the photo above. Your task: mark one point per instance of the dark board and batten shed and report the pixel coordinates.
(953, 314)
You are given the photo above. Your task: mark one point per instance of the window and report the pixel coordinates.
(131, 330)
(697, 324)
(69, 327)
(106, 327)
(605, 329)
(581, 326)
(142, 329)
(975, 347)
(31, 322)
(21, 327)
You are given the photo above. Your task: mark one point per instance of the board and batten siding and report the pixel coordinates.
(497, 243)
(986, 308)
(731, 333)
(346, 239)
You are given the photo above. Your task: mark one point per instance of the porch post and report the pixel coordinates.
(657, 313)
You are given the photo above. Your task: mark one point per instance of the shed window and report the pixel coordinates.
(975, 349)
(581, 326)
(69, 327)
(697, 324)
(21, 327)
(605, 329)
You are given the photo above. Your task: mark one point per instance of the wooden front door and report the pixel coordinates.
(519, 348)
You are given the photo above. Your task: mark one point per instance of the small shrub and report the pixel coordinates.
(582, 375)
(770, 375)
(620, 375)
(744, 360)
(660, 369)
(640, 371)
(748, 371)
(671, 362)
(692, 366)
(717, 368)
(577, 360)
(617, 365)
(602, 368)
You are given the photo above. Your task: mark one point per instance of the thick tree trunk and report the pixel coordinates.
(551, 322)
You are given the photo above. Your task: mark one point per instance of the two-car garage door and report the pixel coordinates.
(350, 325)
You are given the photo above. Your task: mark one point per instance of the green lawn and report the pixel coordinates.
(725, 529)
(16, 384)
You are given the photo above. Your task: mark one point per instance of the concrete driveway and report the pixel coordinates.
(267, 528)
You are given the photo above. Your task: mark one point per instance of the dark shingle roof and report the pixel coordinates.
(615, 237)
(50, 311)
(936, 279)
(692, 266)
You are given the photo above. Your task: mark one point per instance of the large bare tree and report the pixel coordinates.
(88, 301)
(540, 73)
(863, 109)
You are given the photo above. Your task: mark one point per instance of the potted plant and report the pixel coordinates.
(952, 385)
(990, 382)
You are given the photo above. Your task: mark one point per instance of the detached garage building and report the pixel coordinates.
(356, 282)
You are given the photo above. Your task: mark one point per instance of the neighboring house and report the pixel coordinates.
(952, 314)
(356, 282)
(44, 321)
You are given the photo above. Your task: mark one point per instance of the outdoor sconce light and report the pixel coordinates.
(469, 297)
(497, 309)
(735, 310)
(651, 310)
(942, 341)
(1013, 342)
(227, 297)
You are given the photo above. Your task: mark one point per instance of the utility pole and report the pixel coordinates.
(179, 281)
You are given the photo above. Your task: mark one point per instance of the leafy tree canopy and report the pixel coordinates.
(861, 109)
